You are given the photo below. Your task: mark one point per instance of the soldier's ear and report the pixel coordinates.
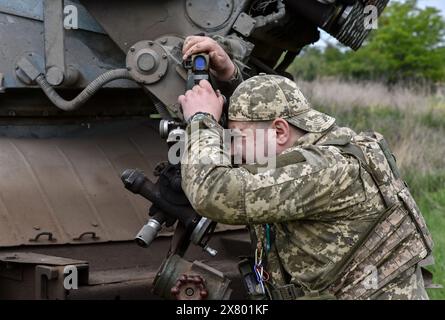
(282, 131)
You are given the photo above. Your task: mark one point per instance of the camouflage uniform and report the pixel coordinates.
(318, 200)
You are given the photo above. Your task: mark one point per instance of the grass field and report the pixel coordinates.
(414, 124)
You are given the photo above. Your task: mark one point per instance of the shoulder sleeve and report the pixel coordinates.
(293, 190)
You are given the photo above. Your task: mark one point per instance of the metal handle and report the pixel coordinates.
(49, 234)
(93, 236)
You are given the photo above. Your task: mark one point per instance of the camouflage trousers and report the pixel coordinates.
(410, 287)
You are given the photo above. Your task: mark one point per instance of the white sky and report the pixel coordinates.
(440, 4)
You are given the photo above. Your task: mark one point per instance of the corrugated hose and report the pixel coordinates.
(86, 94)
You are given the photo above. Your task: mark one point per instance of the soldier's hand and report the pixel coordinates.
(202, 98)
(221, 66)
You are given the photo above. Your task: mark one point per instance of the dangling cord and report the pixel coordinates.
(258, 267)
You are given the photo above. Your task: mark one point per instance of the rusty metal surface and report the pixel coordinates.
(122, 255)
(33, 106)
(148, 20)
(36, 258)
(69, 186)
(118, 270)
(27, 275)
(33, 9)
(137, 289)
(90, 53)
(167, 23)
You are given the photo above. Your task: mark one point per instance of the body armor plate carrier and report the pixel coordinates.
(395, 243)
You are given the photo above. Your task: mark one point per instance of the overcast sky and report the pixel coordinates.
(440, 4)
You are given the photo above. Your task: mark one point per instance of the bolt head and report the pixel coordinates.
(190, 292)
(54, 76)
(174, 291)
(146, 62)
(204, 294)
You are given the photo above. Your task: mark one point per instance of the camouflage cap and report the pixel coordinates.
(267, 97)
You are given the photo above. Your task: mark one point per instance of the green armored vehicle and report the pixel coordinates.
(67, 224)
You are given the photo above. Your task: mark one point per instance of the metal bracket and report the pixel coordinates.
(54, 41)
(147, 62)
(202, 233)
(44, 274)
(244, 24)
(29, 67)
(91, 233)
(57, 72)
(49, 280)
(41, 284)
(49, 234)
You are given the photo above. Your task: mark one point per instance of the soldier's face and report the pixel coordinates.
(252, 141)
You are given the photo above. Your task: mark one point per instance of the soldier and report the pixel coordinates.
(333, 219)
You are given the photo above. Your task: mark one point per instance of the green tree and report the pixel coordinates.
(315, 62)
(309, 65)
(408, 46)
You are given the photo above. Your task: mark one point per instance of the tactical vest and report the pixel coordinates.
(395, 243)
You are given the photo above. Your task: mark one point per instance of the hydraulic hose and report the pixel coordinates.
(86, 94)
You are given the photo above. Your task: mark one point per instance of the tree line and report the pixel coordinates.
(407, 47)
